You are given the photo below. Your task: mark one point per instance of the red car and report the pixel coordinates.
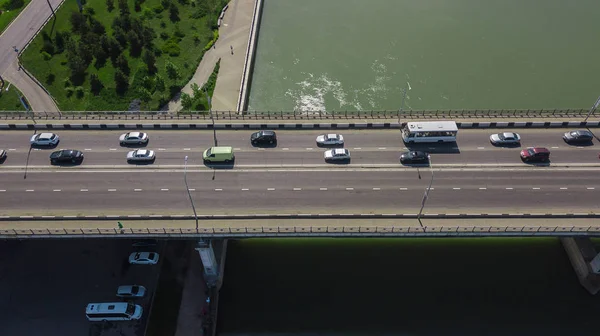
(535, 154)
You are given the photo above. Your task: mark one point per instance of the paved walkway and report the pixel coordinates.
(234, 32)
(17, 35)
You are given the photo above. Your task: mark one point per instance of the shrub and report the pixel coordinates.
(121, 82)
(95, 84)
(70, 90)
(171, 48)
(164, 36)
(172, 70)
(147, 13)
(110, 5)
(144, 94)
(79, 92)
(50, 78)
(158, 9)
(46, 56)
(186, 101)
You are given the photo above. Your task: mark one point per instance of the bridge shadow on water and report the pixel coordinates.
(433, 286)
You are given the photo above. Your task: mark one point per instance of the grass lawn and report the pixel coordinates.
(7, 16)
(9, 100)
(193, 36)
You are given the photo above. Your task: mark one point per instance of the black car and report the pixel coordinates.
(414, 157)
(66, 156)
(263, 138)
(581, 136)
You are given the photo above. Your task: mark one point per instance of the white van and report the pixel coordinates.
(113, 311)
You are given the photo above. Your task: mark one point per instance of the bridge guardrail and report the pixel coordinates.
(292, 115)
(284, 231)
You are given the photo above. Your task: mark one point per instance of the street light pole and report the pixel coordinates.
(402, 105)
(211, 115)
(426, 195)
(188, 189)
(592, 109)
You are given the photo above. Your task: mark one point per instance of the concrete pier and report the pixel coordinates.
(581, 251)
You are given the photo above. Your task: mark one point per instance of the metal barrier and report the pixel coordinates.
(295, 115)
(295, 231)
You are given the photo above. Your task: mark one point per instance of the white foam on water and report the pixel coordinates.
(310, 93)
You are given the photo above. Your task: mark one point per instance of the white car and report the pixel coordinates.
(141, 155)
(131, 291)
(507, 138)
(143, 258)
(330, 139)
(338, 154)
(44, 139)
(134, 138)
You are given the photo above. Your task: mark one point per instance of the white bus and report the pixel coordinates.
(113, 311)
(429, 131)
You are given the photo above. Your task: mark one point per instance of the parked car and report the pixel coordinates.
(131, 291)
(143, 258)
(3, 155)
(134, 138)
(414, 157)
(141, 155)
(535, 154)
(506, 138)
(330, 139)
(263, 138)
(580, 136)
(44, 139)
(66, 156)
(337, 154)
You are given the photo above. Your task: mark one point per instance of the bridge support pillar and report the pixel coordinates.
(209, 261)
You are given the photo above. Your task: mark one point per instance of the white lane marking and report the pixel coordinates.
(309, 148)
(56, 190)
(163, 189)
(87, 149)
(456, 188)
(285, 148)
(237, 148)
(112, 189)
(482, 188)
(261, 149)
(12, 149)
(376, 188)
(245, 189)
(297, 189)
(535, 188)
(322, 188)
(579, 147)
(349, 189)
(161, 149)
(270, 189)
(36, 149)
(29, 190)
(187, 149)
(84, 190)
(403, 188)
(509, 188)
(191, 189)
(137, 189)
(357, 148)
(218, 189)
(564, 188)
(112, 149)
(3, 190)
(381, 148)
(591, 188)
(432, 189)
(480, 147)
(554, 147)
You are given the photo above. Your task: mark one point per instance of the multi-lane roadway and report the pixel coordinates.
(471, 176)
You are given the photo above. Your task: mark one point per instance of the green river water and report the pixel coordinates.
(448, 54)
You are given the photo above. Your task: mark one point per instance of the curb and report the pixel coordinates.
(302, 216)
(291, 126)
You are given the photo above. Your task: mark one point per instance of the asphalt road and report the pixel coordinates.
(491, 180)
(295, 147)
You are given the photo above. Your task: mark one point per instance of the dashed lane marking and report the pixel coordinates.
(381, 148)
(187, 149)
(237, 148)
(161, 149)
(509, 188)
(591, 188)
(480, 147)
(357, 148)
(29, 190)
(270, 189)
(112, 149)
(137, 189)
(12, 149)
(349, 189)
(164, 189)
(297, 189)
(564, 188)
(191, 189)
(3, 190)
(285, 148)
(84, 190)
(56, 190)
(482, 188)
(309, 148)
(403, 188)
(112, 189)
(535, 188)
(218, 189)
(554, 147)
(87, 149)
(455, 188)
(324, 189)
(245, 189)
(376, 188)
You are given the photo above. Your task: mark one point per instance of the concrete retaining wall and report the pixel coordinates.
(250, 56)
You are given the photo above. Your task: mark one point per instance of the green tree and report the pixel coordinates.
(59, 41)
(121, 82)
(197, 94)
(174, 13)
(115, 49)
(123, 7)
(97, 27)
(122, 64)
(95, 84)
(110, 5)
(172, 70)
(160, 83)
(150, 59)
(135, 44)
(186, 101)
(144, 94)
(13, 4)
(78, 22)
(119, 35)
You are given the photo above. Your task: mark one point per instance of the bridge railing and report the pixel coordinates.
(296, 115)
(284, 231)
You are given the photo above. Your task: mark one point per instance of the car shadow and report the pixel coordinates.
(215, 165)
(141, 163)
(339, 162)
(329, 146)
(273, 145)
(538, 164)
(580, 144)
(435, 148)
(45, 147)
(67, 164)
(3, 159)
(506, 145)
(142, 145)
(416, 165)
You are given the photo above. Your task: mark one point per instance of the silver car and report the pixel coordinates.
(143, 258)
(131, 291)
(338, 154)
(507, 138)
(330, 139)
(134, 138)
(141, 155)
(44, 139)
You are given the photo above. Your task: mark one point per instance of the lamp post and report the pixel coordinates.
(402, 104)
(426, 195)
(592, 109)
(188, 189)
(211, 115)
